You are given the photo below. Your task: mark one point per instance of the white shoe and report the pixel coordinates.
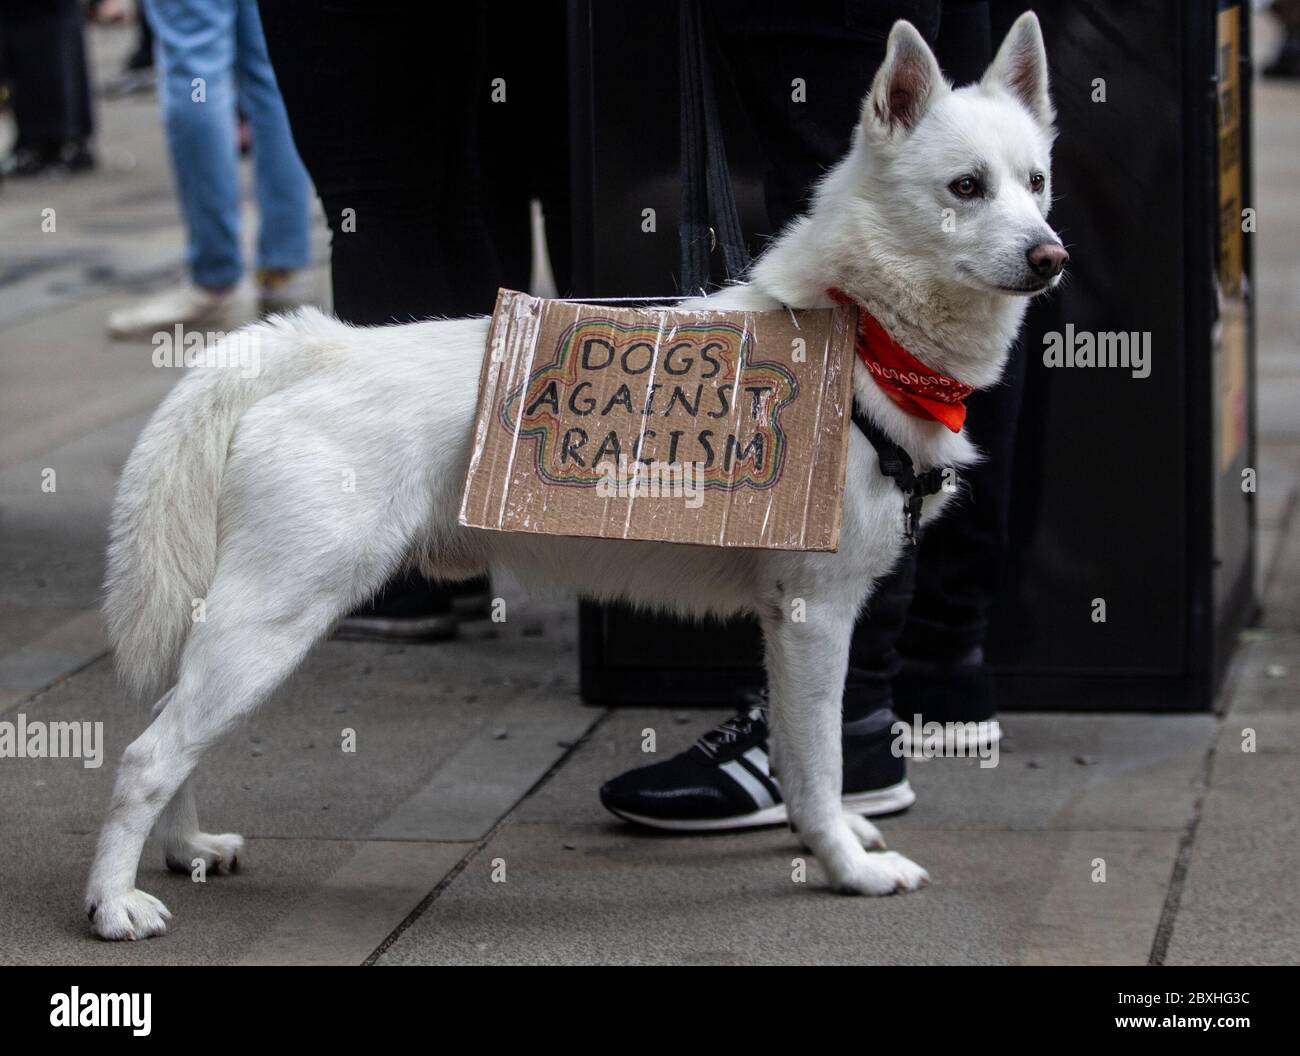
(188, 305)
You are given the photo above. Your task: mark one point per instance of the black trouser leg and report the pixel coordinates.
(525, 139)
(836, 48)
(961, 555)
(45, 54)
(383, 101)
(142, 57)
(874, 661)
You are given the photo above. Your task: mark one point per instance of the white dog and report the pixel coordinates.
(934, 223)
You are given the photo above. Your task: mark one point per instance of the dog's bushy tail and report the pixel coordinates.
(162, 548)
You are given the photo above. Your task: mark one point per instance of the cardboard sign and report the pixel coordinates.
(718, 427)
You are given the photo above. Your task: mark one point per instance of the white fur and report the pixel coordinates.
(233, 492)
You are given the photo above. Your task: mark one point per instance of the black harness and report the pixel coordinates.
(896, 464)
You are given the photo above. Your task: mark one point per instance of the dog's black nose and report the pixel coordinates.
(1047, 259)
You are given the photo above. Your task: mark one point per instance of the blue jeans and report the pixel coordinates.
(209, 50)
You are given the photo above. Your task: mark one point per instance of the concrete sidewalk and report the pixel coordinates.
(476, 763)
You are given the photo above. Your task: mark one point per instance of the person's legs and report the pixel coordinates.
(282, 187)
(961, 554)
(45, 55)
(835, 48)
(77, 72)
(874, 662)
(196, 55)
(919, 646)
(931, 644)
(137, 73)
(725, 780)
(142, 57)
(392, 150)
(943, 675)
(531, 122)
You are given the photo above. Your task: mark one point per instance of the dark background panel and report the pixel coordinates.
(1098, 506)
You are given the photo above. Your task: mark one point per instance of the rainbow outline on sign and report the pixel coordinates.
(546, 430)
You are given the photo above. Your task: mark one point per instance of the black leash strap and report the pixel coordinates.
(896, 464)
(706, 180)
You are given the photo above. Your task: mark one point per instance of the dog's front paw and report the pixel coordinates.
(868, 835)
(219, 854)
(853, 870)
(885, 873)
(132, 915)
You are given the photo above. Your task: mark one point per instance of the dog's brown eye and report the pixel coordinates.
(1037, 182)
(965, 187)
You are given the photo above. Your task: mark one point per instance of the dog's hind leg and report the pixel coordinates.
(284, 575)
(185, 846)
(253, 639)
(229, 666)
(806, 664)
(183, 843)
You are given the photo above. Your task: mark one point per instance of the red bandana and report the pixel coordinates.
(907, 381)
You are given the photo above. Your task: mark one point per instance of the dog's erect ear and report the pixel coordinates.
(1021, 68)
(906, 83)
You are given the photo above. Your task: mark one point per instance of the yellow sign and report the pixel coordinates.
(1229, 122)
(1232, 336)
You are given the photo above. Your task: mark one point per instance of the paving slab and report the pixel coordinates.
(603, 894)
(1238, 902)
(285, 773)
(42, 877)
(491, 773)
(347, 916)
(53, 543)
(76, 640)
(1281, 597)
(1014, 853)
(420, 716)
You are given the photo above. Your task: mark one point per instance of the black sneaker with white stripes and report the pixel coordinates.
(723, 781)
